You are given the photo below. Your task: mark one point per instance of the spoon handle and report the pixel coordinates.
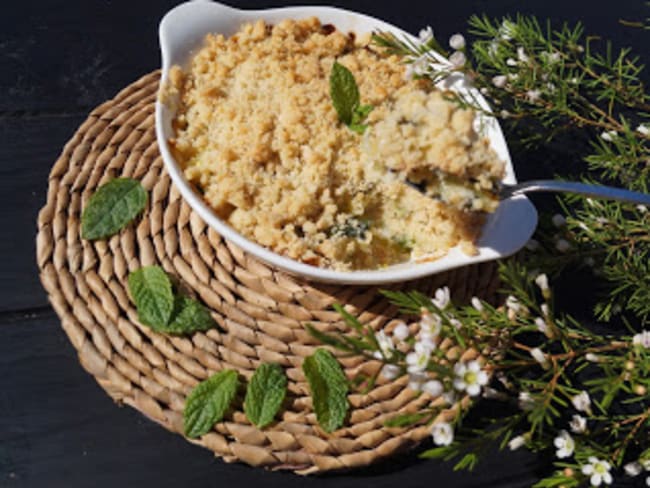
(594, 191)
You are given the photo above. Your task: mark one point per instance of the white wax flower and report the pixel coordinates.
(443, 433)
(565, 445)
(430, 325)
(441, 298)
(390, 371)
(642, 339)
(511, 62)
(500, 81)
(598, 471)
(513, 304)
(477, 304)
(469, 377)
(386, 346)
(458, 59)
(582, 402)
(542, 282)
(426, 34)
(521, 55)
(608, 135)
(433, 388)
(539, 356)
(533, 95)
(457, 41)
(401, 331)
(578, 424)
(545, 310)
(418, 359)
(643, 129)
(541, 325)
(642, 208)
(526, 402)
(633, 469)
(418, 67)
(516, 442)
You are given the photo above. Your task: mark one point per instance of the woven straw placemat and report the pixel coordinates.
(260, 310)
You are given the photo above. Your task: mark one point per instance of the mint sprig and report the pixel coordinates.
(151, 290)
(160, 309)
(329, 389)
(112, 207)
(344, 93)
(265, 394)
(208, 402)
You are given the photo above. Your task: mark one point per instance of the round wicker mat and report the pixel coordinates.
(261, 311)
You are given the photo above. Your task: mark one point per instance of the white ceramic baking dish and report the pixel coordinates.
(182, 31)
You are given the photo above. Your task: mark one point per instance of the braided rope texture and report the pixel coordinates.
(261, 311)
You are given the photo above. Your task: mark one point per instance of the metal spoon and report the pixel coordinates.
(594, 191)
(534, 186)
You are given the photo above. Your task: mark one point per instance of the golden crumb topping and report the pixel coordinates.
(257, 134)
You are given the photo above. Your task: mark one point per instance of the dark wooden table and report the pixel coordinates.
(58, 60)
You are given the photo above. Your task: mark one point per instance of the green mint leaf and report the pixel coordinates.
(344, 92)
(112, 207)
(188, 316)
(359, 114)
(265, 394)
(329, 389)
(208, 402)
(151, 290)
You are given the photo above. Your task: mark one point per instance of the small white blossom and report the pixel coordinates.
(418, 67)
(642, 339)
(513, 304)
(469, 377)
(526, 402)
(521, 55)
(541, 325)
(507, 30)
(484, 90)
(642, 209)
(426, 34)
(551, 58)
(633, 469)
(433, 388)
(558, 220)
(565, 445)
(513, 76)
(458, 59)
(500, 81)
(504, 114)
(582, 402)
(643, 129)
(598, 471)
(511, 62)
(578, 424)
(416, 380)
(591, 357)
(545, 310)
(533, 95)
(645, 463)
(441, 298)
(430, 325)
(390, 371)
(542, 282)
(455, 323)
(540, 357)
(401, 331)
(532, 245)
(386, 346)
(417, 360)
(457, 41)
(608, 135)
(443, 434)
(562, 245)
(647, 481)
(516, 442)
(477, 304)
(550, 87)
